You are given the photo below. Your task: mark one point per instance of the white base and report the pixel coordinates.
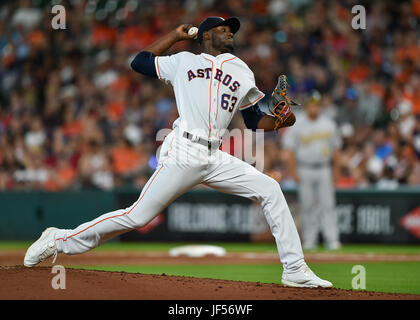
(197, 251)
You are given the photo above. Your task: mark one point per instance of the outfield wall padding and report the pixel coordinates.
(364, 216)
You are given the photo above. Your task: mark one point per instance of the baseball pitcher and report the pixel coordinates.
(209, 88)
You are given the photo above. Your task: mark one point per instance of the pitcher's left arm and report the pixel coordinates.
(255, 119)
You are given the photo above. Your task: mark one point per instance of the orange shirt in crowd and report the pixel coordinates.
(35, 38)
(377, 89)
(67, 174)
(63, 178)
(342, 13)
(72, 129)
(136, 38)
(376, 54)
(121, 84)
(345, 183)
(260, 7)
(414, 98)
(125, 159)
(415, 4)
(358, 73)
(115, 110)
(411, 52)
(103, 34)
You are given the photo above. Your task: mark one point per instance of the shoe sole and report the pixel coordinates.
(42, 237)
(302, 285)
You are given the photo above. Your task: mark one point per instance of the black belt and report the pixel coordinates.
(316, 165)
(209, 144)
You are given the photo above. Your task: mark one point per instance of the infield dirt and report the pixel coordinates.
(18, 282)
(35, 284)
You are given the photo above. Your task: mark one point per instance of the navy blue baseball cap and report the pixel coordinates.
(213, 22)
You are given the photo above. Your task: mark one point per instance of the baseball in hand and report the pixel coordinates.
(193, 31)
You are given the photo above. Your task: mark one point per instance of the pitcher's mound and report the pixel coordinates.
(18, 282)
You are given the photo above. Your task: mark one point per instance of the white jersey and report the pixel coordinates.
(208, 90)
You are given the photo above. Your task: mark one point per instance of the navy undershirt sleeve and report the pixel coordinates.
(144, 63)
(252, 116)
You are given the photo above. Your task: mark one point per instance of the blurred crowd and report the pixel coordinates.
(73, 114)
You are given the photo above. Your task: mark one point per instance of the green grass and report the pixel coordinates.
(264, 247)
(401, 277)
(232, 247)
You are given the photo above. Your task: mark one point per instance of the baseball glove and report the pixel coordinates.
(280, 104)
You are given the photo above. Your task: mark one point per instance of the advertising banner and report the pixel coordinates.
(363, 217)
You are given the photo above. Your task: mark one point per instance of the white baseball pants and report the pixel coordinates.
(317, 199)
(182, 165)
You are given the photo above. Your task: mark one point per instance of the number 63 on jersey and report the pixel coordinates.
(228, 102)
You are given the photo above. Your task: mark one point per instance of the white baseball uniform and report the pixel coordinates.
(208, 91)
